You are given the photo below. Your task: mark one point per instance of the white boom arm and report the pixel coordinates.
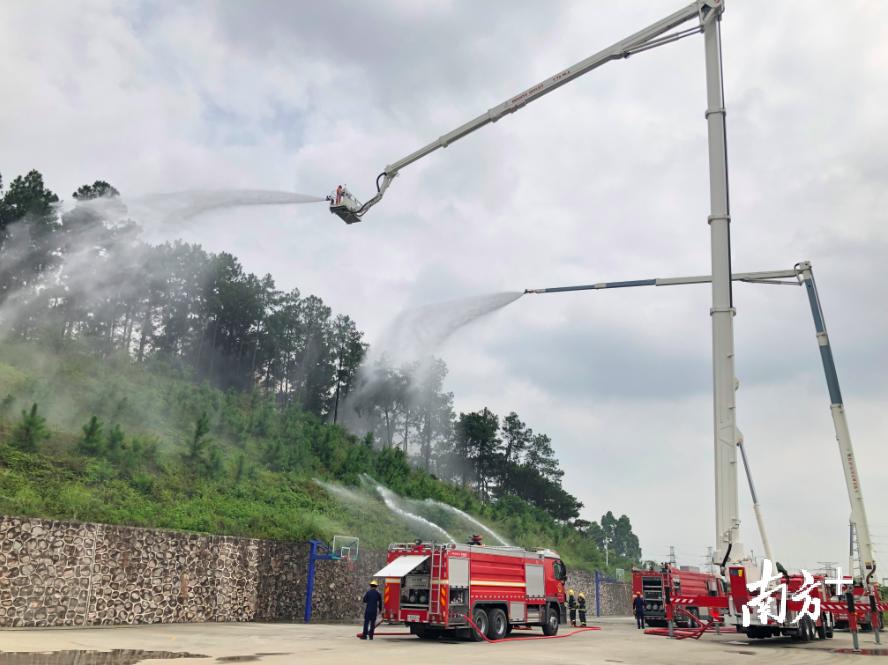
(802, 274)
(708, 13)
(652, 36)
(843, 434)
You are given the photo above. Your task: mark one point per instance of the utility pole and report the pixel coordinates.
(606, 543)
(827, 567)
(672, 559)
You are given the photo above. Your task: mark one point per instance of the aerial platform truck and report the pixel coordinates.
(706, 16)
(867, 607)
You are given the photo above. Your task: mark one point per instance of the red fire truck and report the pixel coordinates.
(794, 624)
(680, 581)
(861, 603)
(434, 587)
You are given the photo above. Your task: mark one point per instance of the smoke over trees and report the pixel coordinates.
(81, 276)
(84, 278)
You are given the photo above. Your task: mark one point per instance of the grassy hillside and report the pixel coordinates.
(146, 462)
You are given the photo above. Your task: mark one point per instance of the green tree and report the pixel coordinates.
(516, 439)
(30, 431)
(348, 351)
(616, 534)
(239, 468)
(114, 441)
(197, 456)
(99, 189)
(91, 441)
(477, 442)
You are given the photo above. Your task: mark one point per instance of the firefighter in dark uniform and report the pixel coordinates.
(373, 604)
(581, 604)
(572, 607)
(638, 610)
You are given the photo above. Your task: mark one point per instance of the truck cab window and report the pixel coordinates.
(559, 570)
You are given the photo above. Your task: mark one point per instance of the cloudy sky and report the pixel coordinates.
(605, 179)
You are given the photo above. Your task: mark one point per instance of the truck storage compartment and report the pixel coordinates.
(415, 574)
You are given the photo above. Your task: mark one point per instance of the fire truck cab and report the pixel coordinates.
(469, 589)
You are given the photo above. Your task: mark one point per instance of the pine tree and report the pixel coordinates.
(114, 441)
(31, 431)
(239, 467)
(200, 456)
(91, 442)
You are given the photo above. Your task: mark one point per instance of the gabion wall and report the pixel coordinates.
(56, 573)
(60, 573)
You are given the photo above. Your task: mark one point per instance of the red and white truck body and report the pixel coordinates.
(794, 623)
(433, 587)
(861, 604)
(652, 584)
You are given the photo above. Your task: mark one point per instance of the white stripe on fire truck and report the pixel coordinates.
(397, 580)
(493, 583)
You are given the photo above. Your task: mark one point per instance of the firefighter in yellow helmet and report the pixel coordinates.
(581, 604)
(572, 607)
(373, 604)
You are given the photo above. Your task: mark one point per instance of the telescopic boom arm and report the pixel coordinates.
(351, 210)
(801, 274)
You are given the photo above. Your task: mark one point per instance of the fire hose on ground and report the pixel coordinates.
(584, 629)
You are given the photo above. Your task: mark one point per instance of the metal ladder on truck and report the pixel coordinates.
(436, 570)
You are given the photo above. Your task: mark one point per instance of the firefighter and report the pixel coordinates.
(373, 604)
(581, 604)
(638, 609)
(572, 607)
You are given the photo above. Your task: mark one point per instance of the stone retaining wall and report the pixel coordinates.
(616, 597)
(57, 573)
(60, 573)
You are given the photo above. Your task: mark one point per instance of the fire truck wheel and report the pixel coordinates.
(805, 632)
(479, 616)
(499, 625)
(550, 628)
(424, 632)
(821, 630)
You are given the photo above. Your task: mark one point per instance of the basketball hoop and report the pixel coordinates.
(345, 548)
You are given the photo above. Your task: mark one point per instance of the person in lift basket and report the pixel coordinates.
(372, 606)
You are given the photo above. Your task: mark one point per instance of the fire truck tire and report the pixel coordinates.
(479, 616)
(425, 633)
(821, 630)
(499, 624)
(806, 632)
(553, 619)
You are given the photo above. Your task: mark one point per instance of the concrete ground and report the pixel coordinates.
(617, 642)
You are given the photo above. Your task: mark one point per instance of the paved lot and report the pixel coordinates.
(617, 642)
